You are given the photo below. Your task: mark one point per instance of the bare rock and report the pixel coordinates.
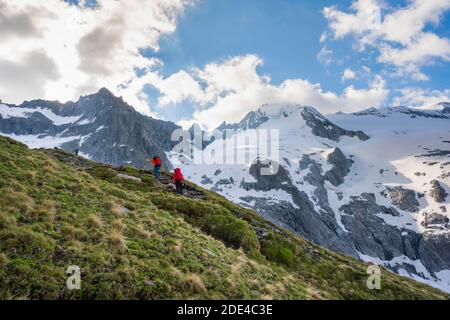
(437, 192)
(404, 199)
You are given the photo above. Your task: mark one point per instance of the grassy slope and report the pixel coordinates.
(54, 214)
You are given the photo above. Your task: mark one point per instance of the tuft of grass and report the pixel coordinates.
(103, 172)
(13, 201)
(190, 281)
(4, 260)
(118, 225)
(95, 221)
(44, 212)
(116, 241)
(115, 208)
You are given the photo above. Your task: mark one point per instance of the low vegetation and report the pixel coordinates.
(136, 239)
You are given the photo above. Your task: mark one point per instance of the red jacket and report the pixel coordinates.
(177, 175)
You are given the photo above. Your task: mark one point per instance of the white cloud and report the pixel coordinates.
(401, 35)
(230, 89)
(325, 56)
(421, 98)
(348, 74)
(85, 48)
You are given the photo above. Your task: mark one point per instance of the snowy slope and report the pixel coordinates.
(361, 216)
(401, 146)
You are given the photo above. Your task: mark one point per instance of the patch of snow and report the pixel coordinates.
(40, 141)
(100, 129)
(16, 112)
(441, 280)
(84, 155)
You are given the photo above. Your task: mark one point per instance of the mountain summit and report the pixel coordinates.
(101, 126)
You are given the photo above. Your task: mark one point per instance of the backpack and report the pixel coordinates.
(177, 175)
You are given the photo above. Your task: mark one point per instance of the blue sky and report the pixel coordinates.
(209, 61)
(285, 34)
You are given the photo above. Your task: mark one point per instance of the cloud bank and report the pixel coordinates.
(54, 50)
(228, 90)
(400, 34)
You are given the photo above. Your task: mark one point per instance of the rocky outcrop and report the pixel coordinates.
(435, 219)
(371, 235)
(324, 128)
(300, 215)
(341, 167)
(315, 178)
(404, 199)
(206, 180)
(434, 251)
(437, 192)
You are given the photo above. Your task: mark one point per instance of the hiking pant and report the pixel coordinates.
(157, 171)
(179, 186)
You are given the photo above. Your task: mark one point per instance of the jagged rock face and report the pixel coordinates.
(251, 121)
(437, 192)
(434, 251)
(299, 216)
(404, 199)
(341, 167)
(101, 126)
(371, 234)
(435, 219)
(206, 180)
(322, 127)
(315, 178)
(280, 180)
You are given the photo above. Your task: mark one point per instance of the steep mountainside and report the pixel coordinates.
(372, 184)
(103, 127)
(133, 238)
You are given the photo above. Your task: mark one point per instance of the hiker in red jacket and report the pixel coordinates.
(156, 162)
(178, 180)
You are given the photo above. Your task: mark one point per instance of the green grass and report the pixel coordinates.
(137, 240)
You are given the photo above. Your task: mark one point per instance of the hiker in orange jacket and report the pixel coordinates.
(156, 162)
(178, 180)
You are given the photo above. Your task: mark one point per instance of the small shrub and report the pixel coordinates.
(103, 172)
(214, 220)
(233, 231)
(278, 252)
(130, 171)
(26, 243)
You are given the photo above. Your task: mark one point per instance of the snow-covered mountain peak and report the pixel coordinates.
(273, 114)
(441, 106)
(278, 111)
(440, 111)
